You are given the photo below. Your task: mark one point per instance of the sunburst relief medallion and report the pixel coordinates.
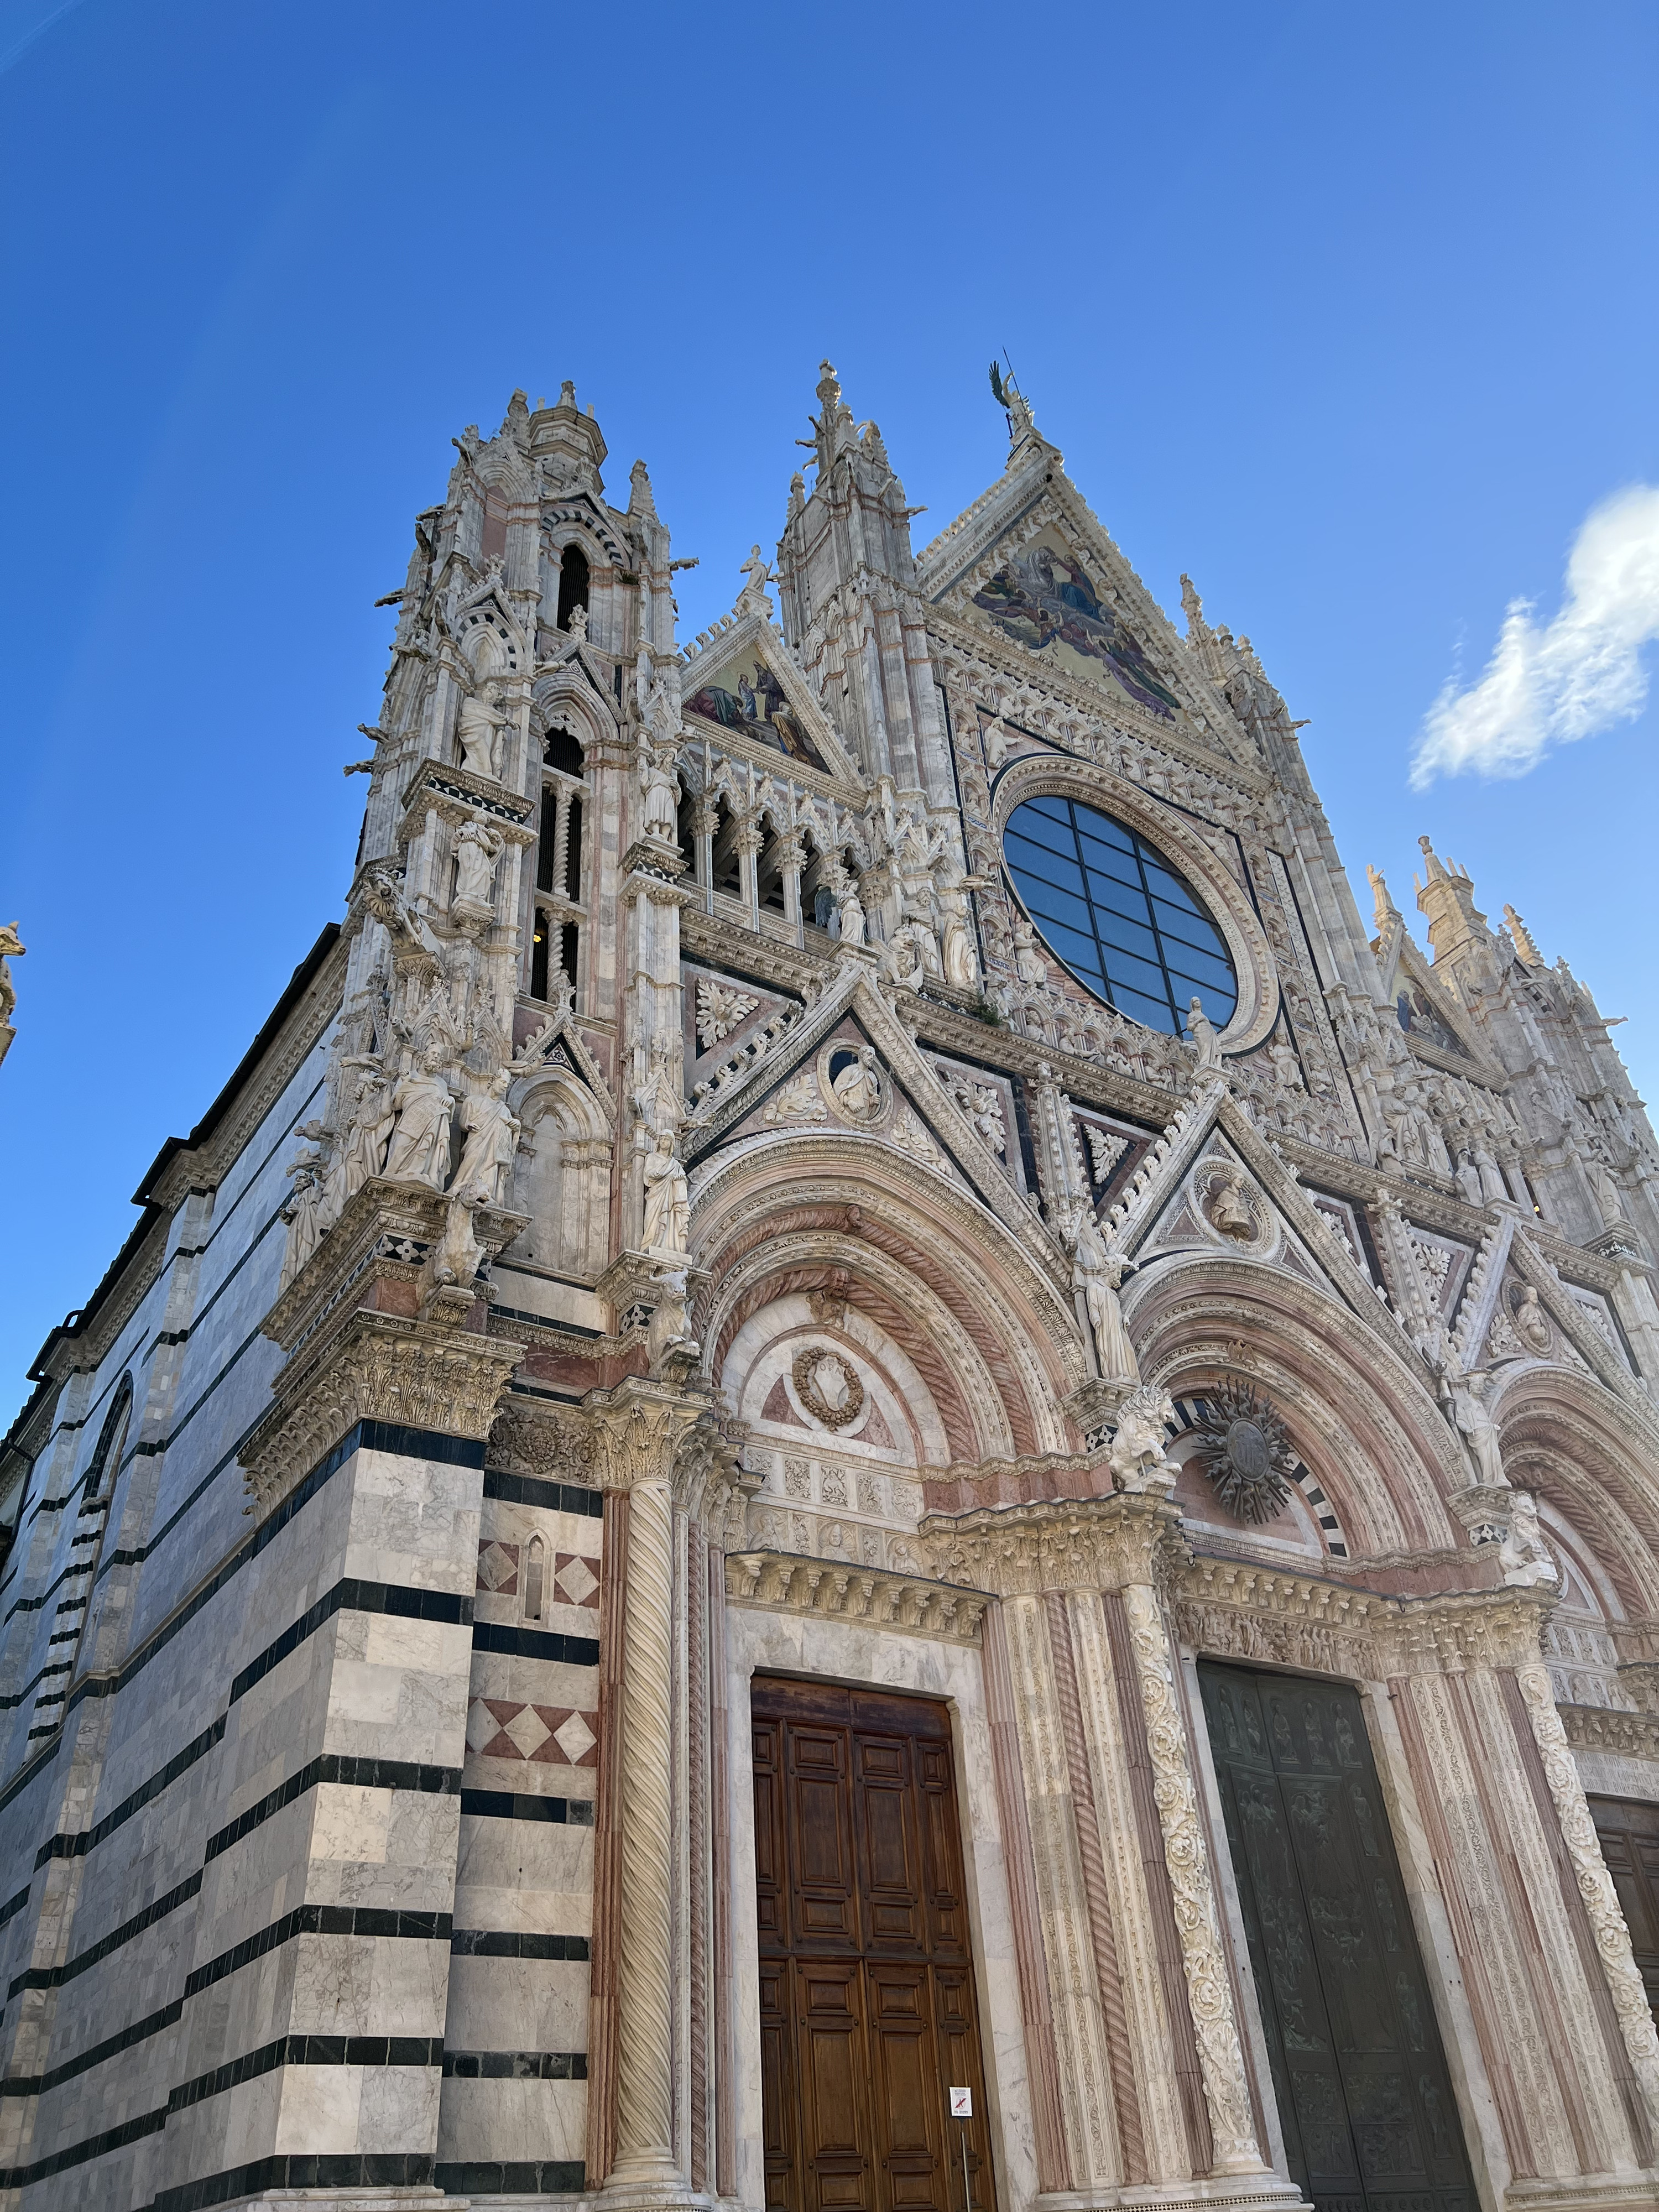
(1246, 1452)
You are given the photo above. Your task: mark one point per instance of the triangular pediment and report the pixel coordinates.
(1052, 598)
(1427, 1013)
(1211, 1186)
(1031, 572)
(741, 684)
(848, 1067)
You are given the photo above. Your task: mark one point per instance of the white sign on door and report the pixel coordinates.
(962, 2103)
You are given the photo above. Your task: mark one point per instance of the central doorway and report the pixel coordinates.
(1364, 2100)
(867, 2011)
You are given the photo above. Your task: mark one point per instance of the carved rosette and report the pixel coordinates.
(1613, 1946)
(1221, 2058)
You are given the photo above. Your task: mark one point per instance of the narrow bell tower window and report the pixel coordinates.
(562, 751)
(545, 926)
(572, 852)
(572, 584)
(535, 1578)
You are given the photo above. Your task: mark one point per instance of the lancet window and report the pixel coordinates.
(572, 584)
(555, 935)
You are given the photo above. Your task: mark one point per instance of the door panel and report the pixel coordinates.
(1629, 1834)
(1364, 2100)
(867, 2009)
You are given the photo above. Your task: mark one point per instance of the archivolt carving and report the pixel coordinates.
(1369, 1410)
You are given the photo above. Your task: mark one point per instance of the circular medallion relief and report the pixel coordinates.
(1114, 912)
(828, 1385)
(1245, 1451)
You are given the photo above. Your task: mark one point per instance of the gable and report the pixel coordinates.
(745, 695)
(1047, 597)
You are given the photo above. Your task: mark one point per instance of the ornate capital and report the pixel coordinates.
(1095, 1543)
(377, 1367)
(638, 1428)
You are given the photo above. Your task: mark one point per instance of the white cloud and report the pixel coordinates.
(1572, 676)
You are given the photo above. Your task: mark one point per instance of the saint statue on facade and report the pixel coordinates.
(667, 1198)
(423, 1104)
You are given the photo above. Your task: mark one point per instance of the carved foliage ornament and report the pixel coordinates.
(1245, 1451)
(827, 1387)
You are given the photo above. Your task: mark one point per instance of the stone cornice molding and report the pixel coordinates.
(1233, 1610)
(1607, 1728)
(776, 1581)
(1102, 1544)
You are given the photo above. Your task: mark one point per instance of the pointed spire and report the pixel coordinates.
(1383, 906)
(797, 494)
(1525, 946)
(834, 425)
(1457, 928)
(1198, 629)
(639, 499)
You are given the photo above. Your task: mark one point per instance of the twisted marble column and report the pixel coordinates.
(637, 1430)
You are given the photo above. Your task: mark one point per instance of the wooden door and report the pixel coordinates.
(1629, 1832)
(867, 1983)
(1364, 2100)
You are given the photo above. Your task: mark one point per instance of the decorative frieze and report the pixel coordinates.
(774, 1582)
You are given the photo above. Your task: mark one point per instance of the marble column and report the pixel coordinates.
(638, 1428)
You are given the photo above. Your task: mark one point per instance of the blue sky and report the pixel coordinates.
(1350, 313)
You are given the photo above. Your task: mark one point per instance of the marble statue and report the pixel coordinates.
(1469, 1411)
(366, 1138)
(667, 1198)
(1137, 1456)
(1201, 1029)
(477, 848)
(660, 816)
(11, 947)
(302, 1213)
(479, 733)
(1028, 964)
(1228, 1209)
(1097, 1271)
(669, 1343)
(1493, 1189)
(576, 624)
(1525, 1557)
(457, 1256)
(957, 956)
(849, 913)
(423, 1104)
(491, 1144)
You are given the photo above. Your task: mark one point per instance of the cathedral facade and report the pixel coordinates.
(865, 1467)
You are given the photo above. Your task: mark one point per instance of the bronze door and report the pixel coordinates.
(1365, 2104)
(1629, 1834)
(867, 1982)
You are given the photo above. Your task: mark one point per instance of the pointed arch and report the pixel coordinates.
(1364, 1423)
(995, 1339)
